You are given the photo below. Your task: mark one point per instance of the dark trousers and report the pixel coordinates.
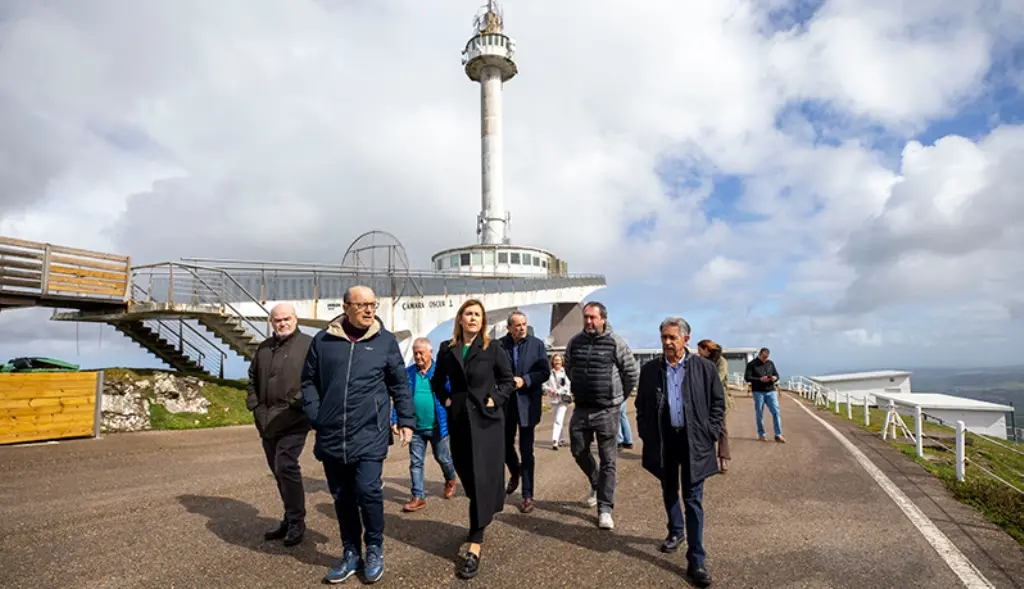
(588, 423)
(677, 470)
(283, 458)
(517, 467)
(358, 502)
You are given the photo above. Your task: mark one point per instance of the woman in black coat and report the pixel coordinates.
(480, 381)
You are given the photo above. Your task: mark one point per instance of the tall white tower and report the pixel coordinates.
(488, 60)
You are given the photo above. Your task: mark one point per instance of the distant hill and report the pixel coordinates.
(997, 385)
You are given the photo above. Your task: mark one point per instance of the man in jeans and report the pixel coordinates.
(353, 371)
(431, 427)
(603, 373)
(275, 399)
(762, 376)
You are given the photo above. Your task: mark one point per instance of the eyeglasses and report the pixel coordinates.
(361, 306)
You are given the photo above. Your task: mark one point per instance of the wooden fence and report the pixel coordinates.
(37, 406)
(29, 268)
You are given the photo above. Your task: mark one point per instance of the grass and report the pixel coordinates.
(226, 397)
(999, 504)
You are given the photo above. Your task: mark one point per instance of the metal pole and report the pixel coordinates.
(867, 415)
(849, 407)
(918, 427)
(836, 393)
(960, 454)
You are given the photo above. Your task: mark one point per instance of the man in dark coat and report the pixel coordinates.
(353, 370)
(680, 406)
(529, 359)
(275, 399)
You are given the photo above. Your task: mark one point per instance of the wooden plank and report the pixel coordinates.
(21, 243)
(89, 376)
(87, 282)
(12, 273)
(81, 416)
(33, 412)
(50, 432)
(48, 392)
(94, 265)
(55, 286)
(68, 382)
(15, 253)
(21, 283)
(60, 249)
(36, 265)
(56, 269)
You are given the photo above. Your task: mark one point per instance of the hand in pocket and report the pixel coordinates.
(490, 402)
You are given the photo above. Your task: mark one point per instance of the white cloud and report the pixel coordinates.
(282, 129)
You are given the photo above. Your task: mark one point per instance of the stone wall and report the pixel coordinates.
(127, 398)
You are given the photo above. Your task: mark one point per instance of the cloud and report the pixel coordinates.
(274, 129)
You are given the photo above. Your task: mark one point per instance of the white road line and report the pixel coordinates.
(964, 568)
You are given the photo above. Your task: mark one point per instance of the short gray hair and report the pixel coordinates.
(423, 340)
(513, 314)
(684, 327)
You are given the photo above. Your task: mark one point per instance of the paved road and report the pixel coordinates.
(187, 509)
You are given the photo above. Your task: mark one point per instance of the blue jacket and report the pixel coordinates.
(441, 415)
(534, 369)
(347, 390)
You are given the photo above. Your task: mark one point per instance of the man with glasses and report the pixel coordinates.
(353, 370)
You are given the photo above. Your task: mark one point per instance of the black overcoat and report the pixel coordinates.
(476, 431)
(704, 407)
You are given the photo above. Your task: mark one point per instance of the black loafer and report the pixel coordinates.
(277, 533)
(295, 533)
(700, 576)
(470, 566)
(671, 544)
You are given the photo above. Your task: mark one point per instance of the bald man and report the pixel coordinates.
(275, 398)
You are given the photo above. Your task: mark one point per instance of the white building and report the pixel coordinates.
(980, 417)
(861, 384)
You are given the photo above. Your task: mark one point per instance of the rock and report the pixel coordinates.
(126, 402)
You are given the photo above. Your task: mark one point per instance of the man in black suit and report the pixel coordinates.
(529, 359)
(680, 406)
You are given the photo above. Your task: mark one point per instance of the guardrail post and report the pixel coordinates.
(849, 407)
(836, 393)
(960, 453)
(867, 415)
(918, 428)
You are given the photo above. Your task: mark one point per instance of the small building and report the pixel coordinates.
(980, 417)
(864, 384)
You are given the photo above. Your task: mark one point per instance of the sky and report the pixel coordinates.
(839, 181)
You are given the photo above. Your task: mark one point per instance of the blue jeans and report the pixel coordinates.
(418, 455)
(625, 433)
(358, 502)
(771, 399)
(675, 476)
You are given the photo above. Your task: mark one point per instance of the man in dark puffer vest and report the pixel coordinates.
(603, 373)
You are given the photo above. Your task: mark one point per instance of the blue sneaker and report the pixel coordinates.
(374, 563)
(348, 565)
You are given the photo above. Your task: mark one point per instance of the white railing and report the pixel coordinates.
(895, 425)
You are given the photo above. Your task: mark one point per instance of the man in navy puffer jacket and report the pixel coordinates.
(353, 370)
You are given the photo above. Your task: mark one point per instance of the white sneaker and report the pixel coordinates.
(592, 499)
(605, 522)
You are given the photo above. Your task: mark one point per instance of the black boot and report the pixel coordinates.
(295, 532)
(277, 533)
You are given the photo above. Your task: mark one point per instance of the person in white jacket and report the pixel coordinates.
(557, 388)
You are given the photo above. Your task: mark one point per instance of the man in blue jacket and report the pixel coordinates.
(353, 370)
(529, 359)
(431, 427)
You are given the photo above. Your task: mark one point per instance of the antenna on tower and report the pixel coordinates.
(489, 19)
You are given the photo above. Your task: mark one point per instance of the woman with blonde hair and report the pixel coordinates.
(712, 351)
(480, 381)
(557, 388)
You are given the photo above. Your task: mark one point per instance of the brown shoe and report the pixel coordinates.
(526, 506)
(415, 505)
(449, 489)
(762, 438)
(780, 439)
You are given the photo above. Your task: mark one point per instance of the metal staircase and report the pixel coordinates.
(233, 332)
(174, 346)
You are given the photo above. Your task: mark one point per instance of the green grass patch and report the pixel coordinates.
(226, 397)
(999, 503)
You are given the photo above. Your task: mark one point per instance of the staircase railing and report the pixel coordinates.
(189, 284)
(187, 340)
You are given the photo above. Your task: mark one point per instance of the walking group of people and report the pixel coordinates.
(470, 402)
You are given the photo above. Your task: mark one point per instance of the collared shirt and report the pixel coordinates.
(675, 375)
